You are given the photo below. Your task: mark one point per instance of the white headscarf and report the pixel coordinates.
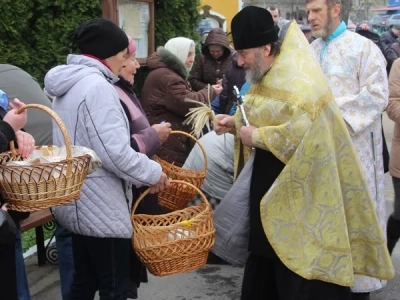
(180, 47)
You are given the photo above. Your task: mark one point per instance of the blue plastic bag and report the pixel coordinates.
(4, 102)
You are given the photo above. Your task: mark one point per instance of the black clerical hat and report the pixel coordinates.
(253, 27)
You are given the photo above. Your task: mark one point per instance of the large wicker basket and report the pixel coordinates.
(36, 187)
(175, 242)
(177, 196)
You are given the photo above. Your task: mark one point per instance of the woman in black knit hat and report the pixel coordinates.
(87, 102)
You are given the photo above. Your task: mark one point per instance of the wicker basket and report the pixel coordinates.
(175, 242)
(178, 197)
(35, 187)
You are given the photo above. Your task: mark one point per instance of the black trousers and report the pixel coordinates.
(100, 264)
(269, 279)
(8, 276)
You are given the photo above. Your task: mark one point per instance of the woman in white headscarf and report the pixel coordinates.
(165, 90)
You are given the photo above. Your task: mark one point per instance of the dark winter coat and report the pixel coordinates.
(234, 75)
(163, 99)
(144, 139)
(392, 53)
(7, 134)
(277, 29)
(388, 38)
(8, 277)
(208, 70)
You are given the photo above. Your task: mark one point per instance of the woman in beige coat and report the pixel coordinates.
(393, 111)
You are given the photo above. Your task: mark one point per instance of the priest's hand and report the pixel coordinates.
(223, 124)
(246, 133)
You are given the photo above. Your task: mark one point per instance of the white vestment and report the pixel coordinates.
(356, 72)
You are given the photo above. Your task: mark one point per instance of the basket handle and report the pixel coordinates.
(60, 124)
(198, 143)
(144, 194)
(13, 150)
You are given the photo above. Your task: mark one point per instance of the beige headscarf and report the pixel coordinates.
(180, 47)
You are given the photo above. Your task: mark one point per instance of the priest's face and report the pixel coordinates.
(322, 17)
(256, 62)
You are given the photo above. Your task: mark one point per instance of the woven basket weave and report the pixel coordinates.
(177, 196)
(175, 242)
(35, 187)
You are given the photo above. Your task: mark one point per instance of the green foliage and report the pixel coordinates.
(35, 33)
(172, 19)
(15, 31)
(55, 21)
(28, 238)
(177, 18)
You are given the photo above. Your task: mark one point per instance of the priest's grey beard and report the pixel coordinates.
(255, 73)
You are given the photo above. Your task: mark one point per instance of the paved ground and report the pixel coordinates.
(209, 283)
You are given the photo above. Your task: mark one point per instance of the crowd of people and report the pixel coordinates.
(298, 194)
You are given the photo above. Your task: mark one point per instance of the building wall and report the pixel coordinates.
(226, 9)
(289, 9)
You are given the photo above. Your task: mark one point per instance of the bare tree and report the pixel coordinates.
(346, 8)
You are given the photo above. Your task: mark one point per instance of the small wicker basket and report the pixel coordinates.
(175, 242)
(177, 197)
(35, 187)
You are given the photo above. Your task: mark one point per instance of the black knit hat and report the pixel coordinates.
(100, 38)
(253, 27)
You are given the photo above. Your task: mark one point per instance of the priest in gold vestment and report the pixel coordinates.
(312, 223)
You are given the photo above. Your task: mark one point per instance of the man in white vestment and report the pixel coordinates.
(355, 69)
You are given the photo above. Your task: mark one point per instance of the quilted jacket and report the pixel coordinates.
(88, 104)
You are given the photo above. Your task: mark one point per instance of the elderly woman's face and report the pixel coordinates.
(190, 59)
(116, 62)
(215, 51)
(130, 68)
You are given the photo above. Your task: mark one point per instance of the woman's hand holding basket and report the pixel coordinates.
(162, 184)
(26, 143)
(32, 187)
(16, 121)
